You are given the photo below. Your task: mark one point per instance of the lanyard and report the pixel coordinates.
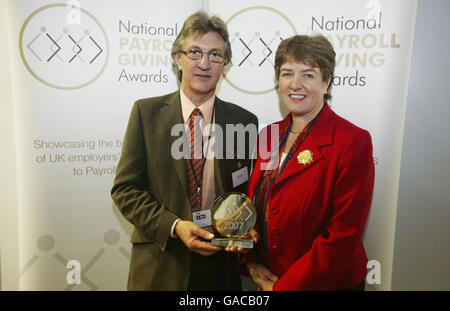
(295, 146)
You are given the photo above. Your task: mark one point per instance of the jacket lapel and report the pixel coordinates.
(170, 116)
(222, 117)
(309, 152)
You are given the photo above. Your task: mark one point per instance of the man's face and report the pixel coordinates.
(200, 77)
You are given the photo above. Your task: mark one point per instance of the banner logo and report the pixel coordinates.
(255, 34)
(64, 46)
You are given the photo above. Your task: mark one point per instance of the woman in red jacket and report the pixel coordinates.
(312, 181)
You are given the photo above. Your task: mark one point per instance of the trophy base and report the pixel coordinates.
(232, 242)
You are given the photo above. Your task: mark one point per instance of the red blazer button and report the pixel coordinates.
(276, 248)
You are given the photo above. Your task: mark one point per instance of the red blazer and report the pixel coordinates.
(317, 211)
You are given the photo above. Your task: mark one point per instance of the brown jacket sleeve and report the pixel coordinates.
(131, 191)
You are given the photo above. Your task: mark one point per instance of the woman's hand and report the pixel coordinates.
(262, 276)
(251, 235)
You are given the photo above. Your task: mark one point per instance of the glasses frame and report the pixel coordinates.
(201, 55)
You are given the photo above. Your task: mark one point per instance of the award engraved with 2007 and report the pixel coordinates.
(233, 216)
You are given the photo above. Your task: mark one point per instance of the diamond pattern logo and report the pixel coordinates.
(62, 54)
(254, 44)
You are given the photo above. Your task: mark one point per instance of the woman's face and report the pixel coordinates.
(301, 88)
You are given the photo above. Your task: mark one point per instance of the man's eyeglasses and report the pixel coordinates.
(196, 54)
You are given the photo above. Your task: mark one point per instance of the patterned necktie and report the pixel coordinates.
(195, 164)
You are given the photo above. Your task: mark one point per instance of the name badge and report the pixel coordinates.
(240, 176)
(202, 218)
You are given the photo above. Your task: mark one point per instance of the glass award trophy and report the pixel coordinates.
(233, 216)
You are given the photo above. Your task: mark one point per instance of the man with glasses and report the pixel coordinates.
(167, 197)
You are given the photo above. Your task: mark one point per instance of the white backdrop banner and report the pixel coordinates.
(373, 41)
(78, 66)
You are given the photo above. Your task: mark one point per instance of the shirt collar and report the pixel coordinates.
(187, 106)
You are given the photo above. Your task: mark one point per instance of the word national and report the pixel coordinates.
(341, 23)
(144, 29)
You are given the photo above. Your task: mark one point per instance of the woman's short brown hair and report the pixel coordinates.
(315, 51)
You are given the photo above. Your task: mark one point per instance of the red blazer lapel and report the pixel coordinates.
(309, 152)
